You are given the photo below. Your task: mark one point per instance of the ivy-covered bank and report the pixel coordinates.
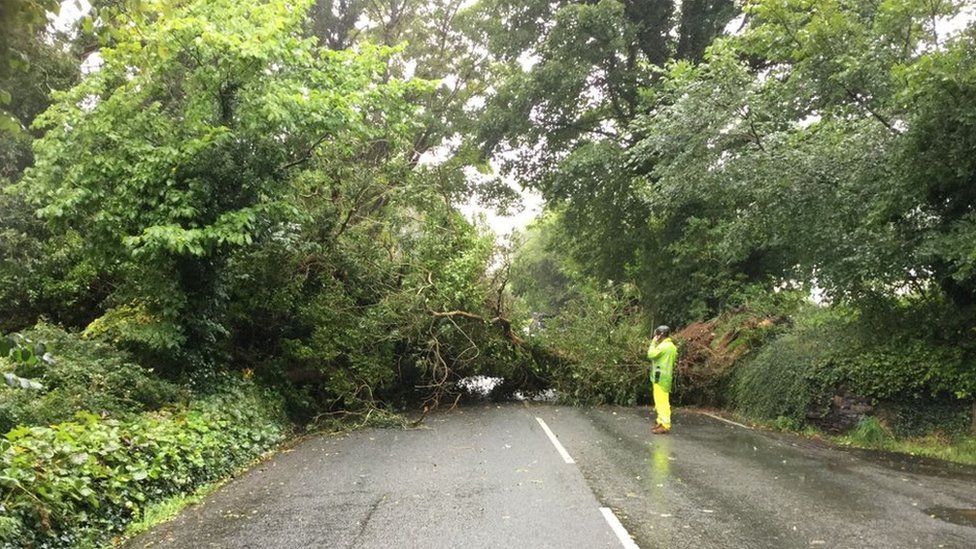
(79, 483)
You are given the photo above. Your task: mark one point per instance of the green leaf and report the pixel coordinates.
(9, 123)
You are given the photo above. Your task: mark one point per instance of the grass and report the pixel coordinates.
(871, 434)
(166, 510)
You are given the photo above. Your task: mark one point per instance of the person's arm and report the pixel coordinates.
(654, 351)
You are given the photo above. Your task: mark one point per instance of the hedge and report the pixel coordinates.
(78, 483)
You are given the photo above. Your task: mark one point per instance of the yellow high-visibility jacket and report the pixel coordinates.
(662, 357)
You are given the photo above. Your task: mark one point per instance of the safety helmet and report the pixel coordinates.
(662, 330)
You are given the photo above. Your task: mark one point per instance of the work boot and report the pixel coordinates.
(660, 430)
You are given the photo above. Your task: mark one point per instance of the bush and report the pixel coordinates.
(82, 375)
(919, 377)
(776, 383)
(797, 372)
(79, 482)
(894, 369)
(600, 343)
(916, 417)
(871, 434)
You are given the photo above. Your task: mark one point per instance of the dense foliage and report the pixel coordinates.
(191, 133)
(221, 192)
(844, 351)
(814, 155)
(588, 335)
(77, 483)
(19, 21)
(820, 147)
(76, 375)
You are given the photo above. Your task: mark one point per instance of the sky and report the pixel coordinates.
(71, 10)
(504, 225)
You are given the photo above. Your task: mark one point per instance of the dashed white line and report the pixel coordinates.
(618, 528)
(555, 442)
(729, 421)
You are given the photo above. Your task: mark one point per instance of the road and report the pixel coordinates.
(490, 476)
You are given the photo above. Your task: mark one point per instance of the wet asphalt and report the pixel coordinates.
(488, 476)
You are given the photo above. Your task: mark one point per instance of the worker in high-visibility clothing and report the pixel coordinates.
(662, 353)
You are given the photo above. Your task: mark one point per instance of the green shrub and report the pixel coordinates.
(780, 381)
(16, 350)
(912, 347)
(784, 423)
(870, 433)
(915, 417)
(82, 375)
(79, 482)
(776, 382)
(916, 375)
(896, 368)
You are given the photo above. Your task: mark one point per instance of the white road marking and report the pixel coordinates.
(555, 442)
(729, 421)
(618, 528)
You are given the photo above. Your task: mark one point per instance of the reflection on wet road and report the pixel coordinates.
(659, 473)
(965, 517)
(711, 484)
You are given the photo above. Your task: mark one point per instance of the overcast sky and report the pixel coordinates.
(71, 10)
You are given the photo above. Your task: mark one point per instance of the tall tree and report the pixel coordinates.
(20, 20)
(180, 149)
(571, 80)
(434, 44)
(38, 274)
(816, 130)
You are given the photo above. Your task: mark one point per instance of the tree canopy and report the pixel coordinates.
(276, 185)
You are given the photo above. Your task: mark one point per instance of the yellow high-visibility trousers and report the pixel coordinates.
(662, 406)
